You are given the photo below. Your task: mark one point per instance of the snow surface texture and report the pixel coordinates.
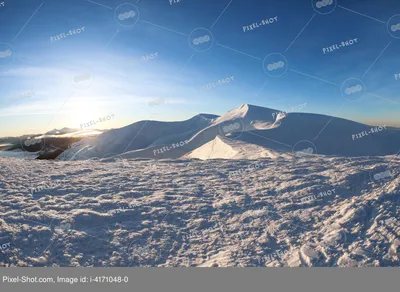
(314, 211)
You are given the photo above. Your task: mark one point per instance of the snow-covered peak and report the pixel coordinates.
(269, 128)
(249, 113)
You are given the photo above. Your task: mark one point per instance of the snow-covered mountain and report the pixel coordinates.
(61, 131)
(257, 131)
(68, 133)
(266, 201)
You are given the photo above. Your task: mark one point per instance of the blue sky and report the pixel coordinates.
(37, 91)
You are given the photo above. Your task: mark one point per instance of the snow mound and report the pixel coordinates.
(224, 148)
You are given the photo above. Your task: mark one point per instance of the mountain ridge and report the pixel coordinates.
(276, 131)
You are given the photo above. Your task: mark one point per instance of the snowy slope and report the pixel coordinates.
(331, 136)
(140, 135)
(225, 148)
(264, 127)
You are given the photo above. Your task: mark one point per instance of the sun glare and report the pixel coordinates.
(83, 112)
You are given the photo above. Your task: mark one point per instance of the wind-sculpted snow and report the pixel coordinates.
(248, 123)
(314, 211)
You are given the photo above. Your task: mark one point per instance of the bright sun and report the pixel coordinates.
(82, 113)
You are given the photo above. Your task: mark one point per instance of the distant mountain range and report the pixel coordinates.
(62, 131)
(247, 132)
(48, 145)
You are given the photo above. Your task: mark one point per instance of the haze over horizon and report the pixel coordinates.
(94, 127)
(149, 70)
